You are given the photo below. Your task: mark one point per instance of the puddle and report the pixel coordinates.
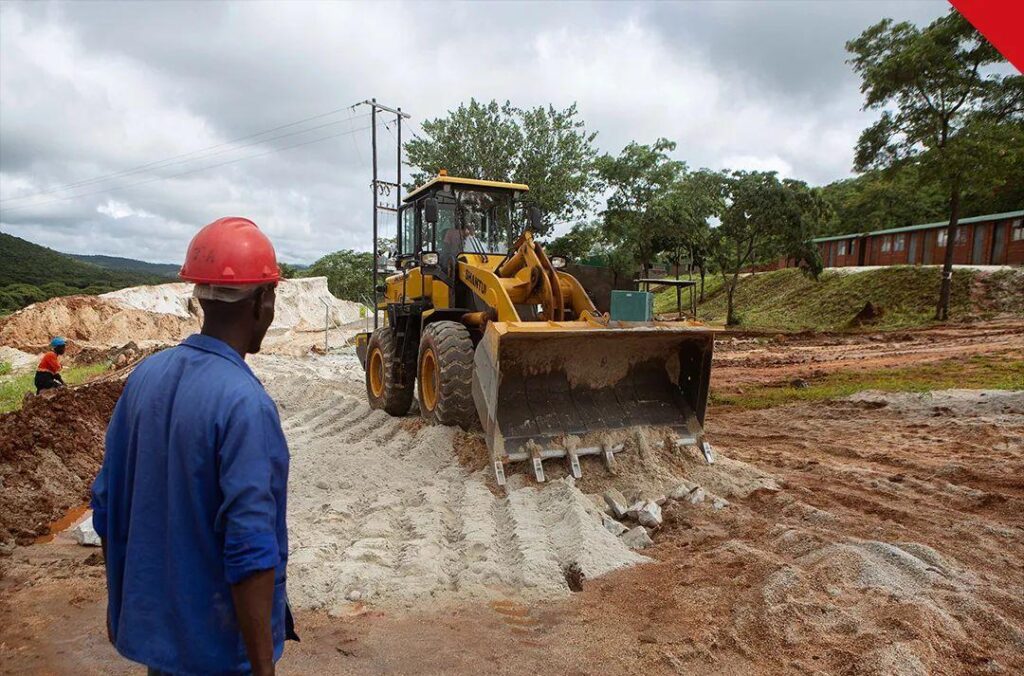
(62, 524)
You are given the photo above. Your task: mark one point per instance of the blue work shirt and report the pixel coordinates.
(190, 500)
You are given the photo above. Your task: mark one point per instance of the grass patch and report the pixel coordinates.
(788, 300)
(13, 388)
(976, 373)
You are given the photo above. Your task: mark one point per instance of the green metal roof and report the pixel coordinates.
(925, 226)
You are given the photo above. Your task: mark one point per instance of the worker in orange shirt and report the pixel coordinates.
(48, 373)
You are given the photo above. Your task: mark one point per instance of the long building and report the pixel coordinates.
(995, 239)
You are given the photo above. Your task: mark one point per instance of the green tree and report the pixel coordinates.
(638, 178)
(764, 219)
(880, 199)
(548, 149)
(943, 108)
(348, 273)
(581, 241)
(687, 207)
(288, 271)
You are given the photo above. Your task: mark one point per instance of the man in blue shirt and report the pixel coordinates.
(190, 501)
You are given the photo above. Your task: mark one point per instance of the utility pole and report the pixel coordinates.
(383, 188)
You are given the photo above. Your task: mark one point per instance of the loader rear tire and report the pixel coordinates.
(388, 385)
(446, 374)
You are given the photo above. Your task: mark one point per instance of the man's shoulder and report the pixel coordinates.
(218, 375)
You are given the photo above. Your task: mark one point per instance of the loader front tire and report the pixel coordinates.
(445, 374)
(388, 385)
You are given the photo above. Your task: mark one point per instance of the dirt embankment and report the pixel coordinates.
(164, 314)
(50, 452)
(90, 320)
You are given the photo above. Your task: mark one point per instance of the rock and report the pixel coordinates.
(616, 502)
(800, 384)
(683, 490)
(613, 526)
(599, 504)
(719, 503)
(85, 534)
(323, 485)
(697, 496)
(636, 538)
(354, 595)
(647, 513)
(661, 500)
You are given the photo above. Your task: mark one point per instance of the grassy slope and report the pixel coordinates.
(22, 262)
(30, 273)
(788, 300)
(13, 388)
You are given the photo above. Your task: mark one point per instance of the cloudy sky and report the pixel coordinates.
(105, 107)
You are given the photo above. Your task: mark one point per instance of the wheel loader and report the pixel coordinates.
(482, 327)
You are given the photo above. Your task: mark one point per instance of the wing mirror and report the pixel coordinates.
(430, 210)
(535, 219)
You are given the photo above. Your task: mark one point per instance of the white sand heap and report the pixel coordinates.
(18, 360)
(300, 303)
(171, 299)
(164, 314)
(300, 306)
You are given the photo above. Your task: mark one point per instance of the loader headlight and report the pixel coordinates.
(558, 262)
(429, 258)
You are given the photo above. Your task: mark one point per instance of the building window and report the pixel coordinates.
(961, 235)
(941, 239)
(1017, 230)
(842, 248)
(901, 241)
(886, 244)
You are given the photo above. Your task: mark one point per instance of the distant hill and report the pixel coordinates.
(169, 270)
(30, 273)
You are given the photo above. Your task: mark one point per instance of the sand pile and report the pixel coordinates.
(381, 510)
(300, 306)
(92, 320)
(50, 452)
(164, 314)
(171, 299)
(300, 303)
(19, 361)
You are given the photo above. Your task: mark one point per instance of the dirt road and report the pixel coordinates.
(886, 537)
(742, 359)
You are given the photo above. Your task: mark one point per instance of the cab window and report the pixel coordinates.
(408, 243)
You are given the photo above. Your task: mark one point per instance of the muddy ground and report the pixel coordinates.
(893, 544)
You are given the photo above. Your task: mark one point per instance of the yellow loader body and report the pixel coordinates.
(513, 341)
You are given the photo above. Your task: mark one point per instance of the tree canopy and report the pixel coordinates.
(348, 273)
(765, 219)
(638, 179)
(943, 108)
(546, 148)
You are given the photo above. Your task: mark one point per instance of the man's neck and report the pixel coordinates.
(235, 341)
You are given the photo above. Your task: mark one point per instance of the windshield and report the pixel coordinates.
(468, 221)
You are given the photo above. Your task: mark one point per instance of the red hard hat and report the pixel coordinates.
(230, 250)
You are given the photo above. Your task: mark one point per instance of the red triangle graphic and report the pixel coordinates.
(1001, 22)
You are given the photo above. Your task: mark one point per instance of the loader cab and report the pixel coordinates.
(472, 216)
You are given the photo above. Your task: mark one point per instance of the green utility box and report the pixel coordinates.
(632, 306)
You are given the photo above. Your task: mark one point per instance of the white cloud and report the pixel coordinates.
(90, 89)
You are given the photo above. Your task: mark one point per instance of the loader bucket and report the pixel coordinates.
(556, 389)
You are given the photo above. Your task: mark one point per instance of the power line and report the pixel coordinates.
(181, 158)
(184, 173)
